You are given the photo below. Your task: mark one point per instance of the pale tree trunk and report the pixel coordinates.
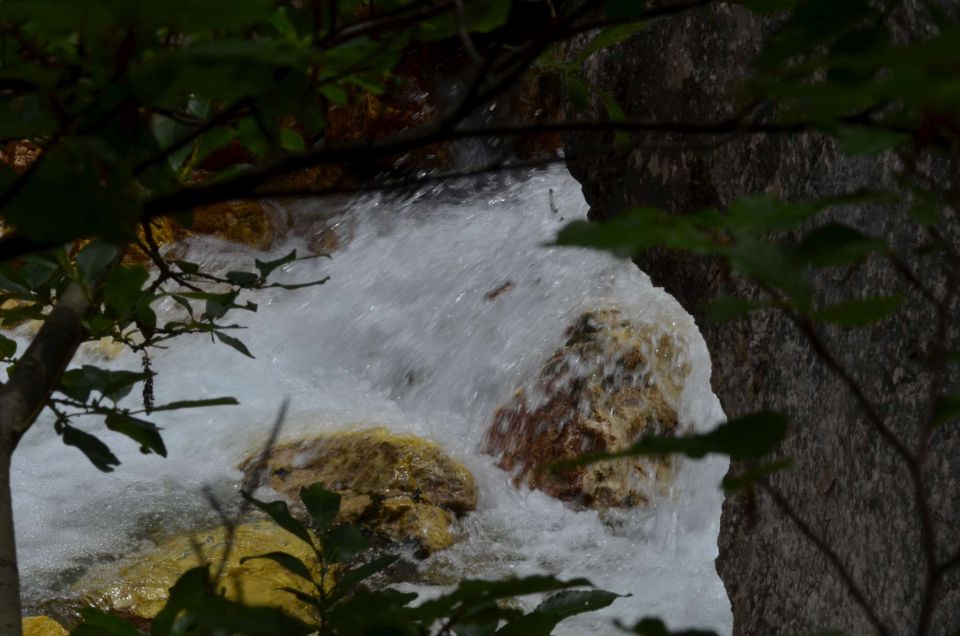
(21, 400)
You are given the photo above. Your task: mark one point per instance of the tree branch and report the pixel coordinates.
(828, 552)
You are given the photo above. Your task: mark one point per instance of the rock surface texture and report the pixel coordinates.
(399, 486)
(42, 626)
(612, 382)
(847, 484)
(141, 586)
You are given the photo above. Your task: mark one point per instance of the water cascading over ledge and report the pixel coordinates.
(437, 309)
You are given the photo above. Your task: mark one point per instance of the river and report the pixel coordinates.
(401, 335)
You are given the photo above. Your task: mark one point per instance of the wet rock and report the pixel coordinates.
(611, 382)
(42, 626)
(399, 486)
(246, 222)
(140, 587)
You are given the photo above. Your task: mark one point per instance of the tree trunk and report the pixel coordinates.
(34, 378)
(9, 577)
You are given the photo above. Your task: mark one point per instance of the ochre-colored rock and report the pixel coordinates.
(246, 222)
(140, 588)
(399, 486)
(42, 626)
(612, 382)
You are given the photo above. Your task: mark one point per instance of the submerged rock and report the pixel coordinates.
(399, 486)
(140, 588)
(611, 382)
(42, 626)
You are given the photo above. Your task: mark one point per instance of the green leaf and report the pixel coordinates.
(266, 267)
(342, 543)
(94, 259)
(123, 288)
(8, 347)
(291, 140)
(837, 244)
(96, 622)
(192, 586)
(724, 308)
(346, 581)
(233, 342)
(562, 605)
(611, 36)
(278, 511)
(243, 279)
(766, 7)
(287, 561)
(193, 404)
(578, 93)
(187, 267)
(862, 140)
(751, 435)
(474, 592)
(322, 504)
(947, 408)
(860, 312)
(656, 627)
(480, 16)
(733, 484)
(140, 431)
(96, 451)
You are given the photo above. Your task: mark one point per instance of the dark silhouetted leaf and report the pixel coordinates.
(193, 404)
(8, 347)
(732, 484)
(140, 431)
(96, 622)
(233, 342)
(342, 543)
(322, 504)
(266, 267)
(860, 312)
(286, 561)
(96, 451)
(837, 244)
(656, 627)
(278, 511)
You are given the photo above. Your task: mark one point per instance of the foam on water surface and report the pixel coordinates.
(401, 335)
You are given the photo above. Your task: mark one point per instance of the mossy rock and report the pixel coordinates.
(398, 486)
(611, 382)
(42, 626)
(140, 586)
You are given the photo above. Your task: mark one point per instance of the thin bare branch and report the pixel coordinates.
(852, 586)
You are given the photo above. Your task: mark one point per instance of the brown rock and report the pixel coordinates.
(612, 382)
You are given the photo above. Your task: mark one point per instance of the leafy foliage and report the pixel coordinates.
(349, 606)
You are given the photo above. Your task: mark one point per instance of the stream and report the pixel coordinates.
(403, 335)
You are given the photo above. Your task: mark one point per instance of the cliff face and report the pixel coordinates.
(846, 484)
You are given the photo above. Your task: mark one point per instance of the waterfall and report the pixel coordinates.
(404, 334)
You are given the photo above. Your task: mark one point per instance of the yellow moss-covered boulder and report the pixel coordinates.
(399, 486)
(140, 587)
(612, 382)
(42, 626)
(246, 222)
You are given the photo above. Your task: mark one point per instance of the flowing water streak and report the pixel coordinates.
(402, 335)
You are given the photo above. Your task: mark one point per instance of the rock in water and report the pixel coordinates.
(42, 626)
(611, 382)
(399, 486)
(140, 588)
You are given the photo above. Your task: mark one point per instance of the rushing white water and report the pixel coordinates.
(402, 335)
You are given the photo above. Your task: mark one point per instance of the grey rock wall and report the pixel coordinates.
(846, 483)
